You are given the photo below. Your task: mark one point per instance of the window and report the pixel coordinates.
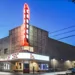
(20, 65)
(5, 50)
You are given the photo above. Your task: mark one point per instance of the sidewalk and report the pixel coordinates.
(52, 73)
(7, 73)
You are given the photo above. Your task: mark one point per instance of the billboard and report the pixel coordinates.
(28, 56)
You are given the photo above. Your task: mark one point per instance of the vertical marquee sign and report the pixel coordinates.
(26, 17)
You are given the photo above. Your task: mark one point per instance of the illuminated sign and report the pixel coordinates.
(32, 56)
(14, 55)
(29, 56)
(26, 17)
(28, 48)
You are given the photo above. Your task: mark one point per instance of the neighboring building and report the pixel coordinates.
(4, 46)
(60, 50)
(61, 54)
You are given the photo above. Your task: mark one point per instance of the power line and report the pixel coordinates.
(63, 33)
(66, 37)
(62, 29)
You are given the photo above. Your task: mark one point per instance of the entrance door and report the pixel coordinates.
(26, 68)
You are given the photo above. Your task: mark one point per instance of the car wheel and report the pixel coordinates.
(68, 74)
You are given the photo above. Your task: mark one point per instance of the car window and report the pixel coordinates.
(70, 68)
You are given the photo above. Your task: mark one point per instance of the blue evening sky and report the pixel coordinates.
(50, 15)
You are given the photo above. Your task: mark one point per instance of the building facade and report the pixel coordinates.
(28, 47)
(34, 54)
(4, 46)
(38, 39)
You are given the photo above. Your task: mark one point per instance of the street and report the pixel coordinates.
(53, 73)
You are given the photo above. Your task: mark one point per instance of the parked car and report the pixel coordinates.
(70, 71)
(54, 70)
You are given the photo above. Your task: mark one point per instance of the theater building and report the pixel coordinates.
(28, 47)
(19, 49)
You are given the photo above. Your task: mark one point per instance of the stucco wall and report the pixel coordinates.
(60, 50)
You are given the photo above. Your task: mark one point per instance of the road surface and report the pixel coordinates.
(53, 73)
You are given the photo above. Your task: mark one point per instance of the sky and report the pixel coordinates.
(50, 15)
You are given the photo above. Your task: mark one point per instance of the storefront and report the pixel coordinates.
(25, 62)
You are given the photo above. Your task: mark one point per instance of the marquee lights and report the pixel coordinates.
(28, 56)
(26, 17)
